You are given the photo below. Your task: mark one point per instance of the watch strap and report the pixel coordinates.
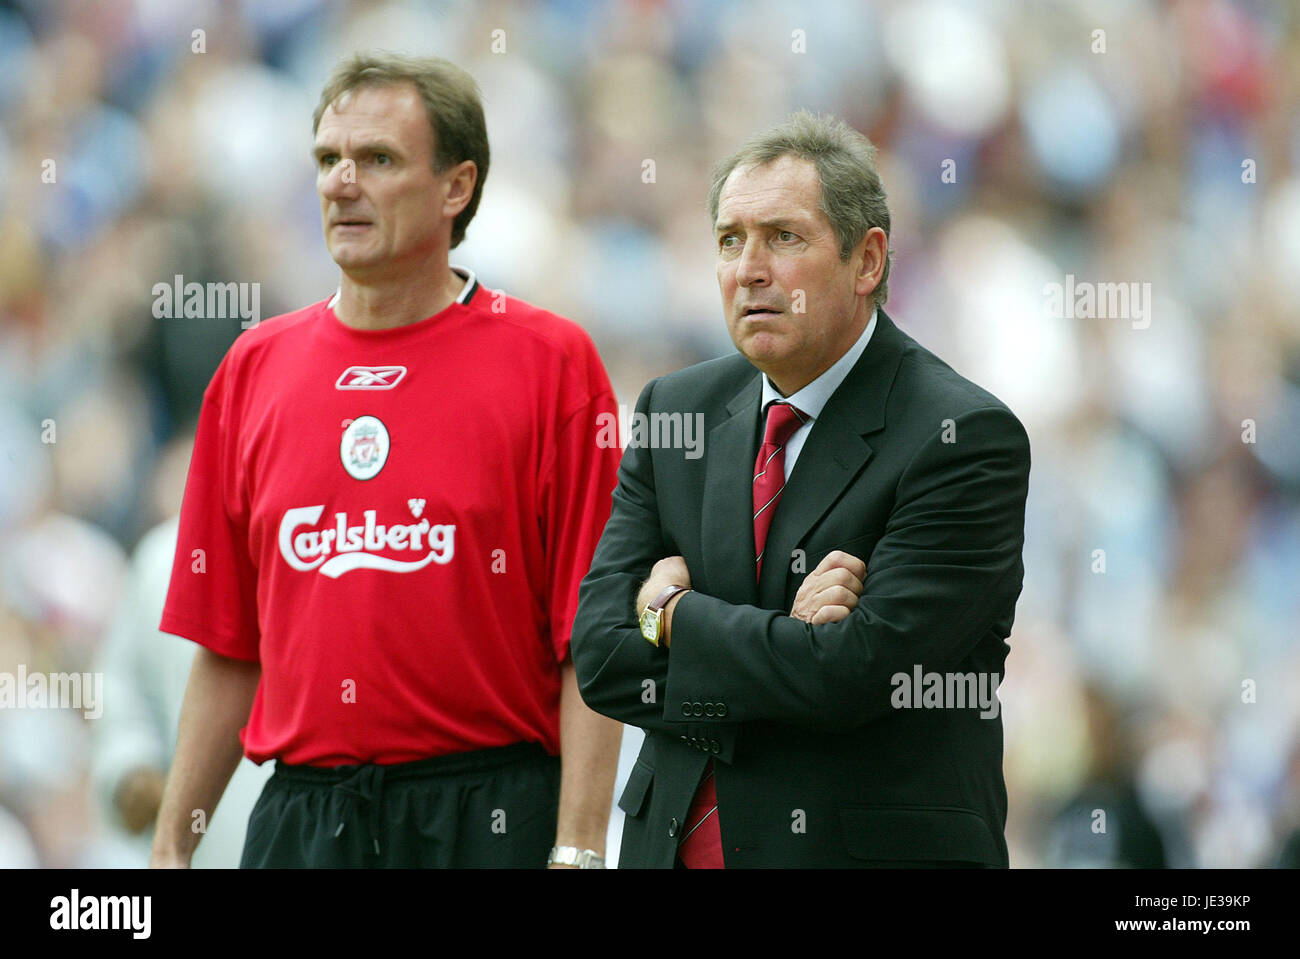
(573, 856)
(660, 601)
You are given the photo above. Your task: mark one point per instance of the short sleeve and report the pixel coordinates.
(577, 487)
(212, 597)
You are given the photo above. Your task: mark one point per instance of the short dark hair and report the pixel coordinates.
(451, 100)
(852, 196)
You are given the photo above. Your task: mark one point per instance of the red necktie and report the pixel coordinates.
(769, 470)
(701, 845)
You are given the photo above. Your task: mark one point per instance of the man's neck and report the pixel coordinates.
(388, 304)
(788, 384)
(822, 384)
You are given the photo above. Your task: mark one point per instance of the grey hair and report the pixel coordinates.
(852, 196)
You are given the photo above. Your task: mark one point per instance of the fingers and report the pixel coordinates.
(837, 588)
(829, 614)
(830, 592)
(842, 560)
(839, 576)
(835, 596)
(837, 558)
(847, 587)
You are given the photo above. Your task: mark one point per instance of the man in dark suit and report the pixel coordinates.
(808, 618)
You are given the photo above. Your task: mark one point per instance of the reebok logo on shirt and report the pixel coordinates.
(358, 547)
(370, 377)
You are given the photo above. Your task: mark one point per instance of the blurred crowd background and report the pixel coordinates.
(1156, 680)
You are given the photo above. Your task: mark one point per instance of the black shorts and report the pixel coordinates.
(488, 808)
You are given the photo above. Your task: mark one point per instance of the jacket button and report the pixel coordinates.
(672, 828)
(708, 709)
(715, 746)
(683, 738)
(721, 709)
(686, 709)
(698, 709)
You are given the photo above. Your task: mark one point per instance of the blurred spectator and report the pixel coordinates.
(145, 673)
(1148, 144)
(1105, 824)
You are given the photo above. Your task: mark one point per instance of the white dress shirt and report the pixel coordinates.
(811, 400)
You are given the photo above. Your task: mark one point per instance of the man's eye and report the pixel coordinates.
(785, 236)
(328, 159)
(729, 241)
(383, 159)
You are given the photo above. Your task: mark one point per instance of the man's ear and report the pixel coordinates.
(459, 188)
(870, 256)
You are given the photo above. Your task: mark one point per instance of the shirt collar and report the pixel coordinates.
(471, 281)
(466, 292)
(813, 397)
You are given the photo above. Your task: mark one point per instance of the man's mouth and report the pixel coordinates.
(759, 312)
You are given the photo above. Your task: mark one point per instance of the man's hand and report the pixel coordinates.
(669, 571)
(138, 796)
(217, 701)
(159, 860)
(830, 592)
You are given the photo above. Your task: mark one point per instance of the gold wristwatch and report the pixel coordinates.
(652, 619)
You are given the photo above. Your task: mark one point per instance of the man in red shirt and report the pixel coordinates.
(393, 497)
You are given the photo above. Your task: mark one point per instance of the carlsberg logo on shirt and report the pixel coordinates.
(338, 548)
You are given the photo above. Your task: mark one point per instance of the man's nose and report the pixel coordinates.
(751, 266)
(340, 181)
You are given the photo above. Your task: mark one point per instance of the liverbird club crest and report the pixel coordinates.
(364, 448)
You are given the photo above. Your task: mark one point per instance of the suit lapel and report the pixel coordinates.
(728, 522)
(833, 455)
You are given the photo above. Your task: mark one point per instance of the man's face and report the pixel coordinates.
(381, 203)
(792, 305)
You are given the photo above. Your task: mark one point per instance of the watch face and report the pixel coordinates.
(650, 626)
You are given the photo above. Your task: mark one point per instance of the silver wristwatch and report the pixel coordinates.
(573, 856)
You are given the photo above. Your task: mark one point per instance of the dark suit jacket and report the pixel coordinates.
(913, 469)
